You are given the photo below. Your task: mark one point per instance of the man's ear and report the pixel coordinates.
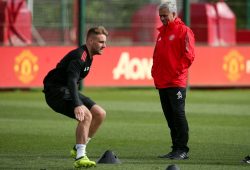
(90, 40)
(174, 14)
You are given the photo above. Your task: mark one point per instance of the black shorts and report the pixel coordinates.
(60, 101)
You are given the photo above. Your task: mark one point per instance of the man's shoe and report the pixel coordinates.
(246, 160)
(179, 155)
(84, 162)
(73, 152)
(168, 155)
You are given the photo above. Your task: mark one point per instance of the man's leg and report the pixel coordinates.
(178, 96)
(82, 129)
(167, 110)
(180, 121)
(98, 116)
(97, 112)
(82, 132)
(168, 113)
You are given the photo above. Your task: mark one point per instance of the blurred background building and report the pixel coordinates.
(53, 23)
(35, 34)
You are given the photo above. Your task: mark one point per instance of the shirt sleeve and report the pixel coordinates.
(73, 75)
(188, 54)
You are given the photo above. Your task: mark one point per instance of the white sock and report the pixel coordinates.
(81, 150)
(88, 140)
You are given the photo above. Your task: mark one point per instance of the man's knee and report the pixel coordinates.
(88, 116)
(98, 112)
(101, 113)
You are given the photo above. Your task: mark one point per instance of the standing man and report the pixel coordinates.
(173, 55)
(61, 92)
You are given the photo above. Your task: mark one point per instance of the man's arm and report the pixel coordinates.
(73, 74)
(188, 53)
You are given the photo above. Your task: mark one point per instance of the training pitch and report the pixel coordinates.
(32, 136)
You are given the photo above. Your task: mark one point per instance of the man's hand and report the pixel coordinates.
(80, 112)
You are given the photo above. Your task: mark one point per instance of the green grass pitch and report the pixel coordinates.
(32, 136)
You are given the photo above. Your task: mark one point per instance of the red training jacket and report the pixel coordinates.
(173, 55)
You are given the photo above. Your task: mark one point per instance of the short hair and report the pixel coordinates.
(170, 5)
(96, 31)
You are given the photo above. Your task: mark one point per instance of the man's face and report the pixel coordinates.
(98, 43)
(166, 16)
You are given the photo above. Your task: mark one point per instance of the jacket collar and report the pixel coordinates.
(170, 25)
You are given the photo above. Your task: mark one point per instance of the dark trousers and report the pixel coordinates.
(173, 106)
